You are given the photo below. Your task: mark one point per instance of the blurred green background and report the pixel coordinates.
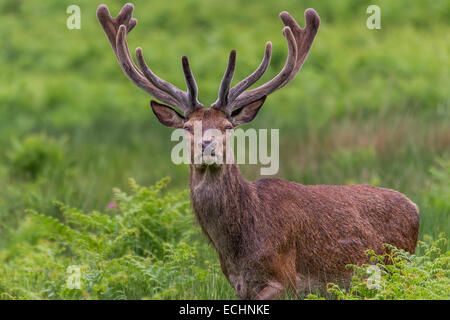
(368, 106)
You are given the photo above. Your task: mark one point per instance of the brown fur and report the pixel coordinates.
(273, 234)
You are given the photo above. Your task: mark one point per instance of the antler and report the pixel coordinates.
(299, 42)
(116, 30)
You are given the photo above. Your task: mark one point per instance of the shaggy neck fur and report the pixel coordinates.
(222, 199)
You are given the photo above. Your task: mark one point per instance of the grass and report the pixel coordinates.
(400, 275)
(145, 246)
(369, 106)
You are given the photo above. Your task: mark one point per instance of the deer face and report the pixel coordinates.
(208, 129)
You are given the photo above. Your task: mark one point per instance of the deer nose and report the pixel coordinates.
(208, 145)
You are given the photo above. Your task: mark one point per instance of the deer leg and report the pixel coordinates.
(271, 291)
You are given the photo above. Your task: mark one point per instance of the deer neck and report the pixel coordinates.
(217, 188)
(221, 199)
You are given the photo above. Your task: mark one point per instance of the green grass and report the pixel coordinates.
(145, 246)
(400, 275)
(369, 106)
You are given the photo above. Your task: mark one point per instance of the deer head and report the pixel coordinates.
(234, 106)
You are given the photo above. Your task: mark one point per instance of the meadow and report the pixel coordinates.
(85, 173)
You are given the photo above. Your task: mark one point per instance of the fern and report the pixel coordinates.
(137, 250)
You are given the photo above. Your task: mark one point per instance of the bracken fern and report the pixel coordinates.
(136, 250)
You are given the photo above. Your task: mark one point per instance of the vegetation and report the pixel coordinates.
(369, 106)
(144, 246)
(400, 275)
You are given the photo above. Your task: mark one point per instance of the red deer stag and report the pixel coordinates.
(271, 235)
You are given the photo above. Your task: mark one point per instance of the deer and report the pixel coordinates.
(270, 235)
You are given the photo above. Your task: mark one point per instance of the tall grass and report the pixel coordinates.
(146, 246)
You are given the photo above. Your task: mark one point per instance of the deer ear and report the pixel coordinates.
(246, 113)
(167, 116)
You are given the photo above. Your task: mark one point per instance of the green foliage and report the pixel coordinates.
(137, 249)
(435, 211)
(30, 156)
(145, 246)
(400, 275)
(441, 187)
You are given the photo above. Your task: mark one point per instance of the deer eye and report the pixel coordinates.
(187, 128)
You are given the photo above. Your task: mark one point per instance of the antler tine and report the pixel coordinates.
(223, 98)
(130, 70)
(274, 84)
(192, 89)
(303, 37)
(255, 76)
(116, 30)
(299, 43)
(111, 25)
(157, 81)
